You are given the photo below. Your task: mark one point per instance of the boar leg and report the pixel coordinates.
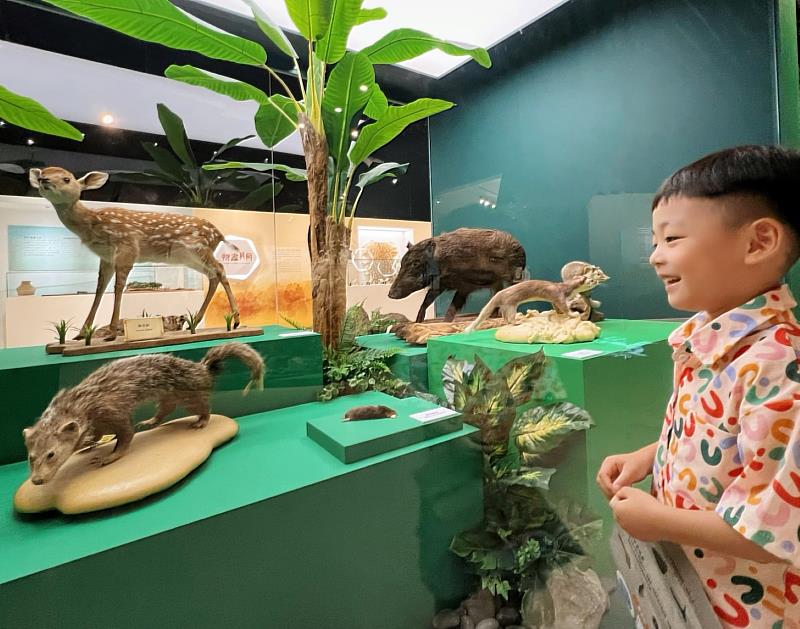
(459, 299)
(430, 296)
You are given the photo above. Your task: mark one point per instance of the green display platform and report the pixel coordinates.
(29, 378)
(410, 363)
(351, 441)
(272, 531)
(625, 388)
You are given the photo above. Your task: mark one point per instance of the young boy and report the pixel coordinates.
(726, 469)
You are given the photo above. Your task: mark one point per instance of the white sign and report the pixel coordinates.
(582, 353)
(239, 257)
(298, 333)
(433, 414)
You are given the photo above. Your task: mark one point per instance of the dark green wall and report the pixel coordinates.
(599, 98)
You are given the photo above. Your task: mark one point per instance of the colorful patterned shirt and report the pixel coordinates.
(731, 443)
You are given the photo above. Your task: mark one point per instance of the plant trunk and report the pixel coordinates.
(329, 242)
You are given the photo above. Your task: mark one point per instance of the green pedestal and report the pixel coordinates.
(410, 363)
(272, 531)
(625, 388)
(29, 378)
(351, 441)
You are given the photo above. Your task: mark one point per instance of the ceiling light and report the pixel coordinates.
(394, 180)
(363, 88)
(2, 123)
(354, 133)
(338, 110)
(29, 141)
(107, 119)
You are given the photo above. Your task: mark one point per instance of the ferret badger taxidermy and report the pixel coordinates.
(104, 402)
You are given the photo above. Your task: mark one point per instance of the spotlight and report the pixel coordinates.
(107, 119)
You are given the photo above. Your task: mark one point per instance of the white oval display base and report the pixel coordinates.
(157, 459)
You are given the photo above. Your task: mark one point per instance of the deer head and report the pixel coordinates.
(61, 187)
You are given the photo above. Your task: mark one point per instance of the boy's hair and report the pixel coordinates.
(770, 173)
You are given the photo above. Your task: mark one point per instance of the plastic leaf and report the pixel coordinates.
(391, 124)
(311, 17)
(370, 15)
(292, 174)
(378, 103)
(382, 171)
(344, 16)
(521, 375)
(27, 113)
(273, 32)
(535, 477)
(176, 135)
(236, 90)
(161, 22)
(347, 92)
(273, 126)
(406, 43)
(166, 161)
(540, 429)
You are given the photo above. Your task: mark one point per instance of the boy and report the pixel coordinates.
(726, 469)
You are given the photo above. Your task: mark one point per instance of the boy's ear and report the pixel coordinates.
(767, 237)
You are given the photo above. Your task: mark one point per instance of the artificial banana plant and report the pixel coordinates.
(326, 114)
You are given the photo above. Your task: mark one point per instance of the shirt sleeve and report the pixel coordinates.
(763, 501)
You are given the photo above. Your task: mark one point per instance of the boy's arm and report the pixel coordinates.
(641, 515)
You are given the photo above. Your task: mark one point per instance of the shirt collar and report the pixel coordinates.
(710, 340)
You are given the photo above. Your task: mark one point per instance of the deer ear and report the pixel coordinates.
(26, 433)
(93, 180)
(33, 177)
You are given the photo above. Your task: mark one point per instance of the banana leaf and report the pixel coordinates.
(25, 112)
(161, 22)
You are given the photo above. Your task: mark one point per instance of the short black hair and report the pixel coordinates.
(771, 173)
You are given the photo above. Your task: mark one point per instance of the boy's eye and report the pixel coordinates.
(669, 239)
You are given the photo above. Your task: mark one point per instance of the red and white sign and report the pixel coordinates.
(239, 260)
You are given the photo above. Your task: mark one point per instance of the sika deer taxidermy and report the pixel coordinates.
(122, 237)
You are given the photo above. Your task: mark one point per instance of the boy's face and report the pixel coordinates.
(698, 256)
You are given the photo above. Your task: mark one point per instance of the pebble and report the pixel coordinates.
(446, 619)
(507, 616)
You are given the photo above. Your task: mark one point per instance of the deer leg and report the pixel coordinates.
(213, 282)
(459, 299)
(122, 267)
(103, 278)
(430, 297)
(231, 299)
(215, 272)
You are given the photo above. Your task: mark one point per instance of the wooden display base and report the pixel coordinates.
(79, 348)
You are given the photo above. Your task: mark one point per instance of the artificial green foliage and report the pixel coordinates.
(349, 368)
(61, 328)
(25, 112)
(177, 166)
(87, 332)
(229, 316)
(192, 321)
(520, 418)
(339, 86)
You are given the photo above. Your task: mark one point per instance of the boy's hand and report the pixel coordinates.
(623, 470)
(639, 513)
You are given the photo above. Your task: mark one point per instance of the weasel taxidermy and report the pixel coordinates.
(557, 293)
(104, 402)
